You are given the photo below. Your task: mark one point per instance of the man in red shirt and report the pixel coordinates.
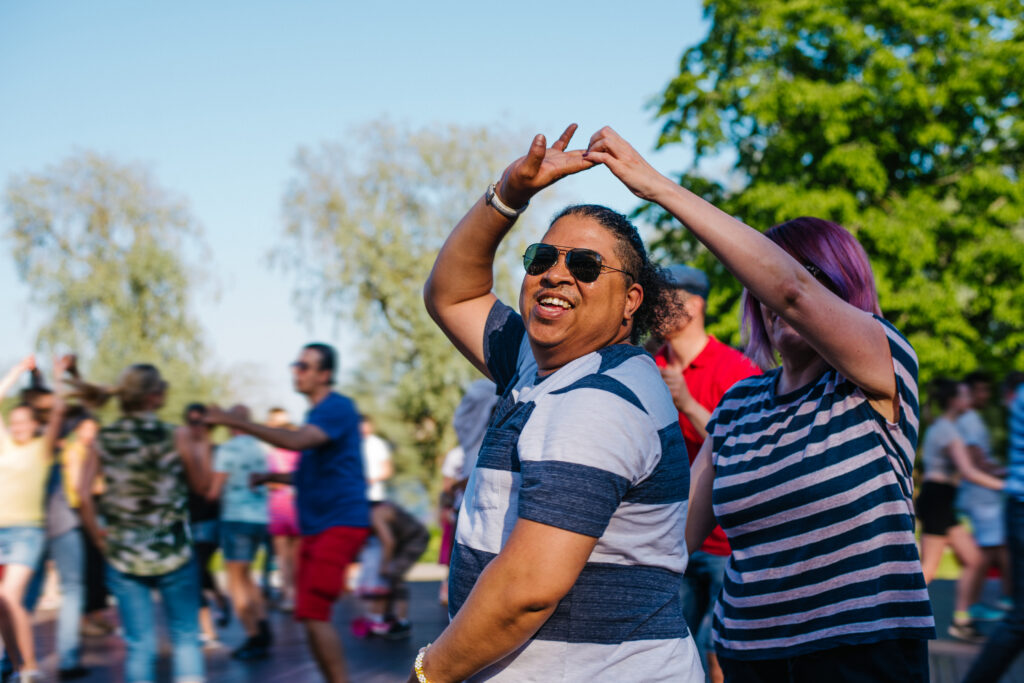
(698, 370)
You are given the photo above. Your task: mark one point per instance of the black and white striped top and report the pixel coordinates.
(813, 489)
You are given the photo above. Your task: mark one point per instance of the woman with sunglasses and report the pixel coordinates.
(808, 468)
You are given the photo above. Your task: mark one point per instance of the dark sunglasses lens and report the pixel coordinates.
(539, 257)
(300, 365)
(585, 265)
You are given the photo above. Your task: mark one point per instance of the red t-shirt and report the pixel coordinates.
(715, 369)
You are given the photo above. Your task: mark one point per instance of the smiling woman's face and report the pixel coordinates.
(566, 318)
(22, 425)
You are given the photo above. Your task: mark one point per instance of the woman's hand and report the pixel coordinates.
(607, 147)
(542, 166)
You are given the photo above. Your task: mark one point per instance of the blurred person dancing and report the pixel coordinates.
(984, 507)
(204, 523)
(243, 529)
(148, 467)
(1007, 642)
(946, 459)
(808, 467)
(284, 518)
(569, 545)
(378, 468)
(330, 488)
(95, 621)
(698, 370)
(63, 529)
(25, 462)
(403, 540)
(470, 423)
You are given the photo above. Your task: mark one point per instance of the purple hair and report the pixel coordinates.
(826, 247)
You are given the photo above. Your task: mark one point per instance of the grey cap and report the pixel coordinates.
(690, 279)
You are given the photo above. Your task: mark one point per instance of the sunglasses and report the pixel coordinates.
(584, 264)
(301, 365)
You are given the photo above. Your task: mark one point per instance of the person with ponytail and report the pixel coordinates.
(141, 521)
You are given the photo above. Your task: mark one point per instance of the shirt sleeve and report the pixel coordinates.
(576, 467)
(905, 369)
(334, 417)
(503, 337)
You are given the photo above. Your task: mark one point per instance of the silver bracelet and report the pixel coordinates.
(501, 207)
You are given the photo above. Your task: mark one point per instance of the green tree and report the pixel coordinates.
(899, 120)
(364, 220)
(102, 249)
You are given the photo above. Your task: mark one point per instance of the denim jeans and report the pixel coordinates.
(68, 554)
(1007, 642)
(179, 593)
(702, 583)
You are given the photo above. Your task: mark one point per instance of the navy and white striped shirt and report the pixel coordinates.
(813, 489)
(593, 448)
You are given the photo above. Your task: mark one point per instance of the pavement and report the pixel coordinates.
(383, 661)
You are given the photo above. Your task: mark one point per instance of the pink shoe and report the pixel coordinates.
(360, 627)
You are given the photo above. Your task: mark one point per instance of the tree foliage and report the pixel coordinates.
(364, 220)
(900, 120)
(102, 249)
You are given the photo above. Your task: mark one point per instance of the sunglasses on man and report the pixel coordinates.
(584, 264)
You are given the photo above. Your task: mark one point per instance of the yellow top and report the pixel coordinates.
(72, 460)
(24, 469)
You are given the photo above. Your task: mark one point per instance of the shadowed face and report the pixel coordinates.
(566, 318)
(307, 375)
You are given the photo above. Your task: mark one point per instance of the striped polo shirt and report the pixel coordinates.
(593, 448)
(813, 489)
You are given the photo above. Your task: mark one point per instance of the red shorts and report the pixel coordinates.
(320, 576)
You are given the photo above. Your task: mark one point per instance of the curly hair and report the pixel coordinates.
(659, 308)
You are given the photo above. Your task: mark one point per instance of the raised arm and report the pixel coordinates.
(846, 337)
(51, 434)
(458, 292)
(8, 382)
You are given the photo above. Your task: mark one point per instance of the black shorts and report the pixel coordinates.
(935, 509)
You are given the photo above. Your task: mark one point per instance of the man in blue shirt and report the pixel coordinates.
(1007, 642)
(334, 515)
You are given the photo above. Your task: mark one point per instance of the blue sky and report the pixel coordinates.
(215, 98)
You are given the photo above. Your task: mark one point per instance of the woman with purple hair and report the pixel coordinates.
(808, 467)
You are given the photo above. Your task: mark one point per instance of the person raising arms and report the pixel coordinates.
(569, 549)
(808, 467)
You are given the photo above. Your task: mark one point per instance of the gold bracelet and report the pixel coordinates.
(417, 667)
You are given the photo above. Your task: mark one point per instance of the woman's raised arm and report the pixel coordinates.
(846, 337)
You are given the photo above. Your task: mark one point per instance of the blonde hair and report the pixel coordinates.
(136, 383)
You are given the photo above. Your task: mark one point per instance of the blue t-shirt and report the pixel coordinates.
(330, 489)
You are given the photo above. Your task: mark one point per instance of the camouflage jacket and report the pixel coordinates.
(145, 505)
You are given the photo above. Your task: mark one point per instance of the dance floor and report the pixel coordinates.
(384, 661)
